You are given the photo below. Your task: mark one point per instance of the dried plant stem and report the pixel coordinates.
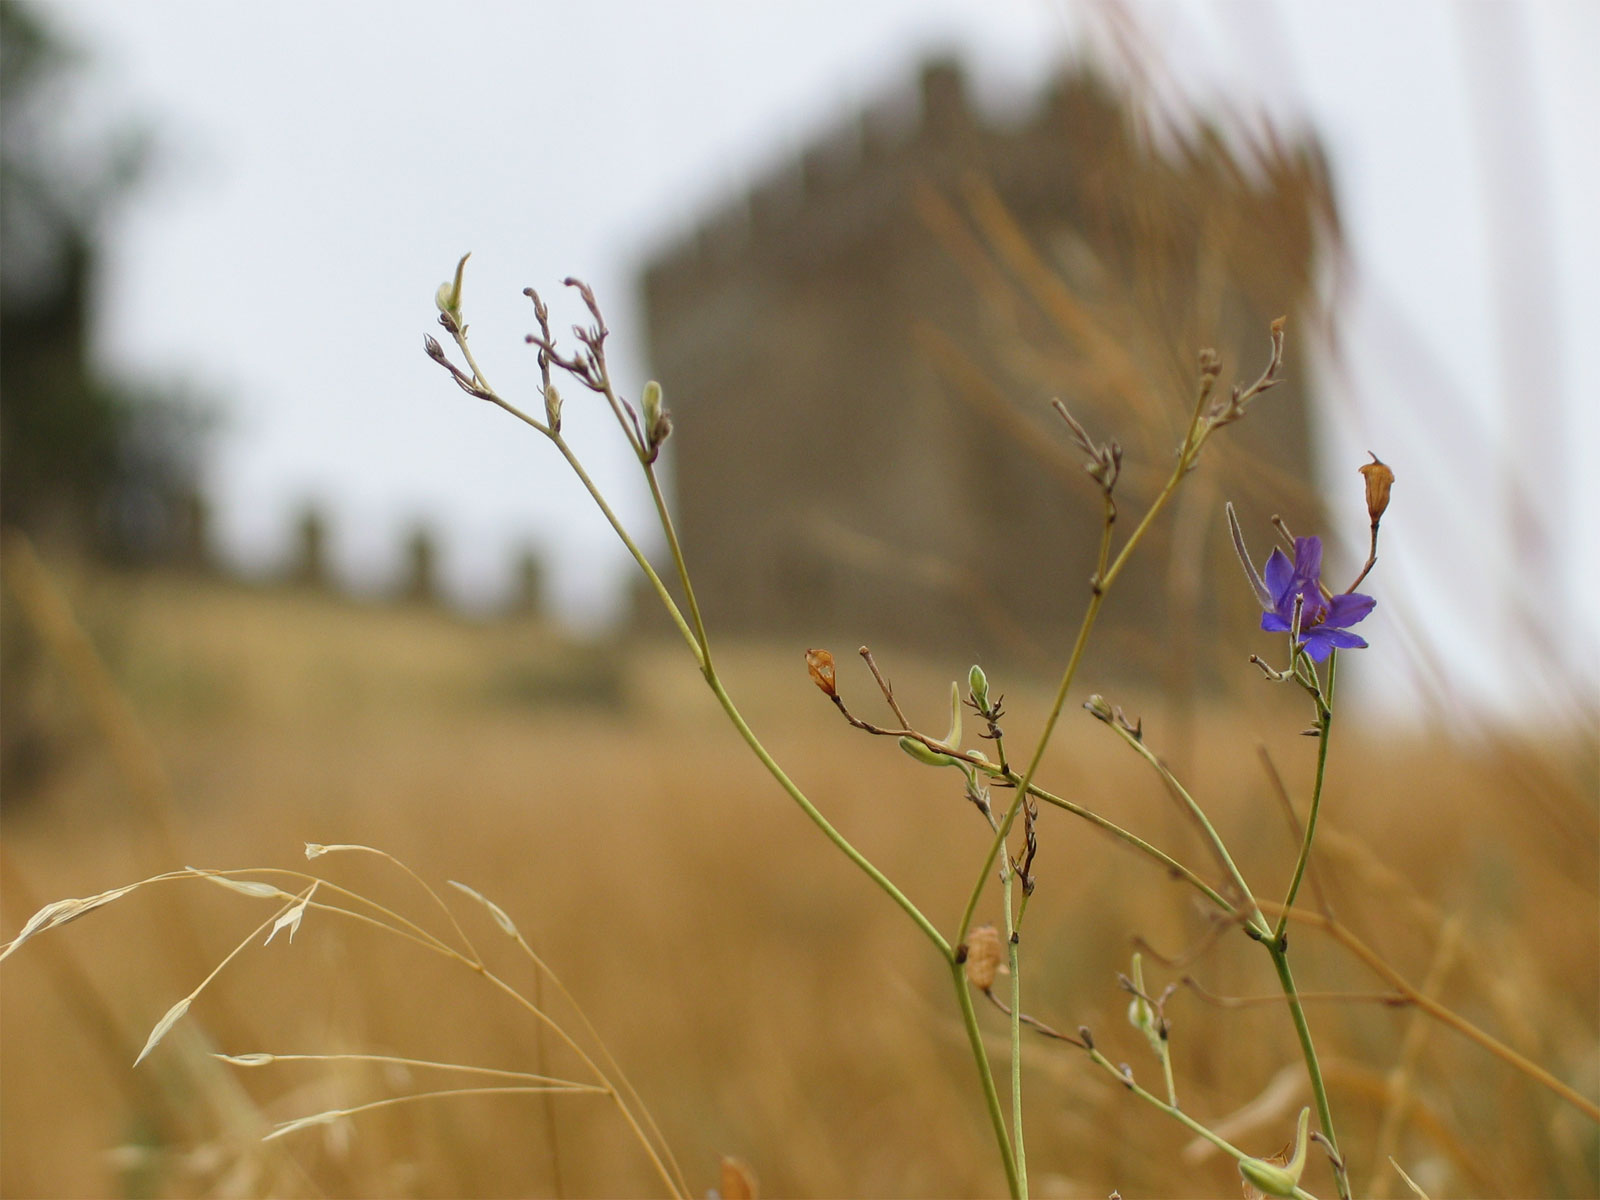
(333, 1114)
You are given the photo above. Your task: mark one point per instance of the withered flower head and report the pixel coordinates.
(1379, 480)
(820, 664)
(983, 957)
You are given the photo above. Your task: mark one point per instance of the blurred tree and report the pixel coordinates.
(90, 467)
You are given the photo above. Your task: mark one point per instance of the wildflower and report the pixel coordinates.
(1324, 621)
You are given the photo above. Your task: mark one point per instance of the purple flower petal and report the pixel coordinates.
(1320, 642)
(1273, 623)
(1308, 559)
(1347, 609)
(1279, 575)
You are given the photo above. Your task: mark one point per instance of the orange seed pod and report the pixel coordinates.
(1379, 480)
(820, 664)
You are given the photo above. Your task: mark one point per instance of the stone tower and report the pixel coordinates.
(861, 356)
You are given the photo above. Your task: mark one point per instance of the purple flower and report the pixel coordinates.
(1324, 623)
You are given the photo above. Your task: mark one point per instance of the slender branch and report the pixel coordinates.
(1308, 1049)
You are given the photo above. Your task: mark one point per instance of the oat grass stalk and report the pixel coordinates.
(352, 905)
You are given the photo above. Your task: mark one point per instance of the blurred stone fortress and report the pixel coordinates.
(860, 357)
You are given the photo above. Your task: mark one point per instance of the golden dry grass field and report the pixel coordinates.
(766, 1001)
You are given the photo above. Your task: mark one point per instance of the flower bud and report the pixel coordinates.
(1098, 708)
(448, 297)
(651, 402)
(1379, 480)
(983, 957)
(820, 664)
(552, 408)
(1279, 1175)
(657, 420)
(978, 682)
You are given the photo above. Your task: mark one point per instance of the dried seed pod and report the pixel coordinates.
(984, 955)
(1379, 480)
(820, 664)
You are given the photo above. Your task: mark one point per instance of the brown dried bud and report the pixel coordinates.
(1379, 480)
(983, 957)
(820, 664)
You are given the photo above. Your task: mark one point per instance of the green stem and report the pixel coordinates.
(1280, 962)
(997, 1118)
(1324, 731)
(633, 548)
(681, 563)
(1014, 956)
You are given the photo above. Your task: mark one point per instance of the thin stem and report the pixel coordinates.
(1319, 1091)
(633, 548)
(676, 548)
(969, 1019)
(1166, 1070)
(1324, 731)
(1012, 951)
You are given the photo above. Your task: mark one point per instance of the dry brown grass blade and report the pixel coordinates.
(1439, 1012)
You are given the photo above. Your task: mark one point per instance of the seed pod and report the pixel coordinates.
(922, 754)
(1379, 480)
(820, 664)
(983, 957)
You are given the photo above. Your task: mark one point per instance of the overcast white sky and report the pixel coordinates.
(325, 164)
